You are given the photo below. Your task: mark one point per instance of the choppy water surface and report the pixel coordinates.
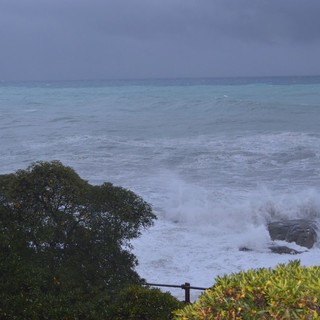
(217, 159)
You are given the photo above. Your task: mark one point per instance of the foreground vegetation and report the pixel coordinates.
(65, 250)
(287, 292)
(65, 254)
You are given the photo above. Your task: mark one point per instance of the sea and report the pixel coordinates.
(216, 158)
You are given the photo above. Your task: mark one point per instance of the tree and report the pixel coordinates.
(64, 242)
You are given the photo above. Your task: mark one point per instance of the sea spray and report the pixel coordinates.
(188, 203)
(217, 159)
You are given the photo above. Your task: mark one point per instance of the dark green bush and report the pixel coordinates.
(140, 303)
(288, 292)
(64, 243)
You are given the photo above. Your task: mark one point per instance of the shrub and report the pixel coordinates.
(287, 292)
(64, 243)
(140, 303)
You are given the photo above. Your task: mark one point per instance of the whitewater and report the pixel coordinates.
(216, 158)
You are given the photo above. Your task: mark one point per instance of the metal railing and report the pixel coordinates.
(186, 287)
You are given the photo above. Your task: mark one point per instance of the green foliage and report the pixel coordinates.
(64, 243)
(288, 292)
(139, 303)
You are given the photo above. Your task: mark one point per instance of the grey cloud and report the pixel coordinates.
(157, 38)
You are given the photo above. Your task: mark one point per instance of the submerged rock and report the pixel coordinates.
(245, 249)
(301, 231)
(276, 249)
(284, 250)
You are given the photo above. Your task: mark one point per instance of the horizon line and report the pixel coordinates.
(161, 78)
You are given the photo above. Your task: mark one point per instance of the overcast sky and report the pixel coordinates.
(107, 39)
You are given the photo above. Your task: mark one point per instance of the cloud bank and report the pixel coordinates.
(68, 39)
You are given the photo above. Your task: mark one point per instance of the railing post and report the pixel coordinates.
(186, 288)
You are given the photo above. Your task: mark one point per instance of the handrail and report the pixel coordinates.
(186, 287)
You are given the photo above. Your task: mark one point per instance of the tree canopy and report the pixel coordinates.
(65, 242)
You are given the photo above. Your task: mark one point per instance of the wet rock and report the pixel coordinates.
(301, 231)
(245, 249)
(284, 250)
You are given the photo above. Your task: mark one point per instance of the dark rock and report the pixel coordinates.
(284, 250)
(244, 249)
(302, 232)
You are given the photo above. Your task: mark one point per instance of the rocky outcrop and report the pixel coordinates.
(276, 249)
(301, 231)
(283, 250)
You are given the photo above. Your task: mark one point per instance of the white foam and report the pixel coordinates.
(189, 203)
(200, 231)
(173, 254)
(216, 163)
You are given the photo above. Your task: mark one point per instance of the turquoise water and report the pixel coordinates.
(199, 125)
(231, 154)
